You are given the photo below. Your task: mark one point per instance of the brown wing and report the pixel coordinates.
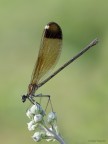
(49, 52)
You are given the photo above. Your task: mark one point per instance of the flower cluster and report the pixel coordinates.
(45, 128)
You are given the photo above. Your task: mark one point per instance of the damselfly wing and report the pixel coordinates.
(50, 49)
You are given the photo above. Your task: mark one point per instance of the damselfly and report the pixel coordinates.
(50, 49)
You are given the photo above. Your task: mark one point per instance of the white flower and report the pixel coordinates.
(31, 126)
(37, 109)
(33, 109)
(52, 117)
(37, 136)
(48, 134)
(50, 139)
(38, 118)
(56, 129)
(29, 114)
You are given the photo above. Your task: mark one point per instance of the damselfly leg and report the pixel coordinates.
(48, 100)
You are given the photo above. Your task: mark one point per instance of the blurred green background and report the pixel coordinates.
(80, 92)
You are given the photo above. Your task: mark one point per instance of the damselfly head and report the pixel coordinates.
(24, 97)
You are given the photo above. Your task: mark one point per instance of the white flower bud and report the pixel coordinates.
(38, 118)
(29, 114)
(37, 136)
(33, 109)
(31, 126)
(52, 117)
(37, 109)
(56, 129)
(50, 139)
(48, 134)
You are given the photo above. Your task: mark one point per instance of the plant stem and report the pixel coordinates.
(57, 137)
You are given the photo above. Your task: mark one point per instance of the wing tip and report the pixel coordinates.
(53, 30)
